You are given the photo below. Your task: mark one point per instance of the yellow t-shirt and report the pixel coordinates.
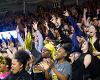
(94, 49)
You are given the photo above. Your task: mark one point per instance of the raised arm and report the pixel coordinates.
(85, 20)
(73, 23)
(84, 16)
(19, 38)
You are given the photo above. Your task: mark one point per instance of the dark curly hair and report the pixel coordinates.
(22, 56)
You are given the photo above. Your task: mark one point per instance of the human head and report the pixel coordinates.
(5, 64)
(19, 61)
(95, 21)
(34, 24)
(86, 47)
(92, 30)
(46, 53)
(11, 44)
(85, 29)
(49, 50)
(53, 19)
(63, 51)
(4, 45)
(56, 19)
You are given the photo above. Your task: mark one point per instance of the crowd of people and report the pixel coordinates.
(62, 44)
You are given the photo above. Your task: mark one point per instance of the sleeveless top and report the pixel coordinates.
(93, 70)
(93, 46)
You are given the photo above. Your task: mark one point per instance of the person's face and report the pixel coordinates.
(66, 27)
(86, 29)
(84, 47)
(34, 24)
(11, 44)
(16, 66)
(4, 44)
(92, 31)
(96, 22)
(45, 52)
(3, 67)
(53, 20)
(59, 21)
(60, 54)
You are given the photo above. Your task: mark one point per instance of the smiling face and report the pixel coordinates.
(60, 54)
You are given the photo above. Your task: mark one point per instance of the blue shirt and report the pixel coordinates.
(64, 68)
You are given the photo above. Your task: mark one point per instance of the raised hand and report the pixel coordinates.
(66, 13)
(39, 68)
(98, 11)
(85, 10)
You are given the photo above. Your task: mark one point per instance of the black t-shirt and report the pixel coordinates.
(78, 69)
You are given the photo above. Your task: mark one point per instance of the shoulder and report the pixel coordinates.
(9, 77)
(97, 44)
(98, 40)
(68, 69)
(25, 76)
(67, 64)
(87, 56)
